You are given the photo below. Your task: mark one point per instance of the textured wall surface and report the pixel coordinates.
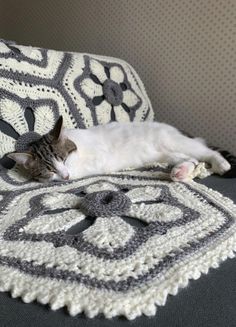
(184, 50)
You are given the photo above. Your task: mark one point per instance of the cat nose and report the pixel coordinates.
(66, 177)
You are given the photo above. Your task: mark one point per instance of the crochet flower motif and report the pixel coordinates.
(65, 223)
(19, 126)
(110, 93)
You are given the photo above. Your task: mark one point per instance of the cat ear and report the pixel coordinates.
(22, 158)
(70, 146)
(56, 131)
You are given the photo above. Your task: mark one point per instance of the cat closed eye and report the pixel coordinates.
(37, 176)
(72, 150)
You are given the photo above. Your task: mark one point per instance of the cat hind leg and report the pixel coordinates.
(193, 148)
(219, 164)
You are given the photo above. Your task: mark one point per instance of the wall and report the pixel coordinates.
(184, 50)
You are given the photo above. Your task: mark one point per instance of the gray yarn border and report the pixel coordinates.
(21, 57)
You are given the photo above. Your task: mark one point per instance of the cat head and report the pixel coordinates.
(45, 159)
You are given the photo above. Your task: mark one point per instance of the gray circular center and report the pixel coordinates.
(22, 144)
(113, 92)
(105, 204)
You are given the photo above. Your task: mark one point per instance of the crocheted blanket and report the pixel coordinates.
(37, 85)
(115, 244)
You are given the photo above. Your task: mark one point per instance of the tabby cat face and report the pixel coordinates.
(46, 157)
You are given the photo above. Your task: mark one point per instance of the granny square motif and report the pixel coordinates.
(37, 85)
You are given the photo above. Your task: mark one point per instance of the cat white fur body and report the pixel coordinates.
(116, 146)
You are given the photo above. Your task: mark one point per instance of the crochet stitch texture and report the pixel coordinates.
(121, 264)
(37, 85)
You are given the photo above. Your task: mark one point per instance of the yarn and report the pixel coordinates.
(105, 203)
(111, 266)
(23, 142)
(85, 89)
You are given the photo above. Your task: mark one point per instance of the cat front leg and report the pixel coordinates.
(182, 171)
(184, 166)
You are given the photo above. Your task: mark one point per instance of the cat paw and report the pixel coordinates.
(181, 172)
(220, 166)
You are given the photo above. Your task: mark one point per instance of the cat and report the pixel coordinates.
(65, 154)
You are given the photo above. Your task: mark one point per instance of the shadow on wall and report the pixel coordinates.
(184, 51)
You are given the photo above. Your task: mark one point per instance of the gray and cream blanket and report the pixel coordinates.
(143, 238)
